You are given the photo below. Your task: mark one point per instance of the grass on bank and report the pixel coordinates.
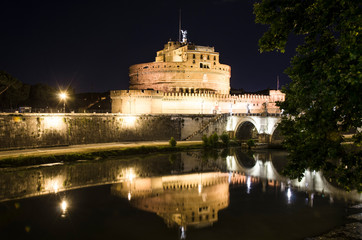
(94, 155)
(208, 143)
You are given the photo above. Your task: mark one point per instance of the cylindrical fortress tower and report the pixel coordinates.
(182, 67)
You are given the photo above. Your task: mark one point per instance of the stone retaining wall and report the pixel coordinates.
(31, 130)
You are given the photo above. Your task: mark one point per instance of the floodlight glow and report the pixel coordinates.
(53, 122)
(130, 175)
(63, 95)
(130, 121)
(55, 187)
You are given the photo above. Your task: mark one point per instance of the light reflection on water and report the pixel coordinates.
(186, 190)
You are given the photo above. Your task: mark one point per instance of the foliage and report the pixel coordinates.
(103, 154)
(324, 97)
(225, 138)
(250, 143)
(211, 141)
(7, 81)
(205, 141)
(172, 142)
(12, 91)
(42, 96)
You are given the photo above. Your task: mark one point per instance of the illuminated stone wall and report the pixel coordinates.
(181, 68)
(157, 102)
(39, 130)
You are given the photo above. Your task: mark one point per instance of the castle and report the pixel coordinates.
(187, 79)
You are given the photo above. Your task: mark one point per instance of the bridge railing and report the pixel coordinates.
(257, 114)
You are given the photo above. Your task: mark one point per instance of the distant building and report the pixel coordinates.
(187, 79)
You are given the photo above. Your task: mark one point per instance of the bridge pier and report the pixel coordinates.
(264, 138)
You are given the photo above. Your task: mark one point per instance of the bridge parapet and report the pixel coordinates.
(257, 114)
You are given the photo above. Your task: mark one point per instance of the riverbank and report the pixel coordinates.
(24, 157)
(350, 231)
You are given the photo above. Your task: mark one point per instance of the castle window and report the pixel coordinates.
(193, 56)
(208, 57)
(214, 58)
(201, 57)
(201, 66)
(214, 63)
(193, 61)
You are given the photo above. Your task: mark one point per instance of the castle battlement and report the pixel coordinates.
(187, 79)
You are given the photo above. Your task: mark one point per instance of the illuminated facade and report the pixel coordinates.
(182, 68)
(182, 200)
(188, 79)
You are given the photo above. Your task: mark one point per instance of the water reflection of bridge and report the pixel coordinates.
(240, 169)
(262, 170)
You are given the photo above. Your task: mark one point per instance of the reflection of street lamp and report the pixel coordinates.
(63, 96)
(64, 207)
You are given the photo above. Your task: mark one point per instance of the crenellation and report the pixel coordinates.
(187, 79)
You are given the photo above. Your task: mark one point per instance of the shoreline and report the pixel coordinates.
(37, 156)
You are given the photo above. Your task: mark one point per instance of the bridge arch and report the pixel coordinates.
(277, 136)
(246, 129)
(241, 126)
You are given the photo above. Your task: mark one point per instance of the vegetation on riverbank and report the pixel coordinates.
(91, 155)
(211, 142)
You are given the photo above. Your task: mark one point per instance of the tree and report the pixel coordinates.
(225, 138)
(205, 141)
(324, 98)
(42, 96)
(7, 81)
(172, 142)
(12, 91)
(213, 140)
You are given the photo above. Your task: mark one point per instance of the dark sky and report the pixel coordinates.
(91, 44)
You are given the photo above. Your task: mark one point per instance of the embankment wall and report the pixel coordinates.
(30, 130)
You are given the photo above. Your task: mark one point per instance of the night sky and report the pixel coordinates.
(90, 44)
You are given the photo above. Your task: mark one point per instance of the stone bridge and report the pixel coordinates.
(246, 126)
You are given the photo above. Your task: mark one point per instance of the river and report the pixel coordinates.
(190, 195)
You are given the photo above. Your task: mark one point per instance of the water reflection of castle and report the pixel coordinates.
(182, 200)
(262, 168)
(194, 200)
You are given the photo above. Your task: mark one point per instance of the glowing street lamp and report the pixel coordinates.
(63, 96)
